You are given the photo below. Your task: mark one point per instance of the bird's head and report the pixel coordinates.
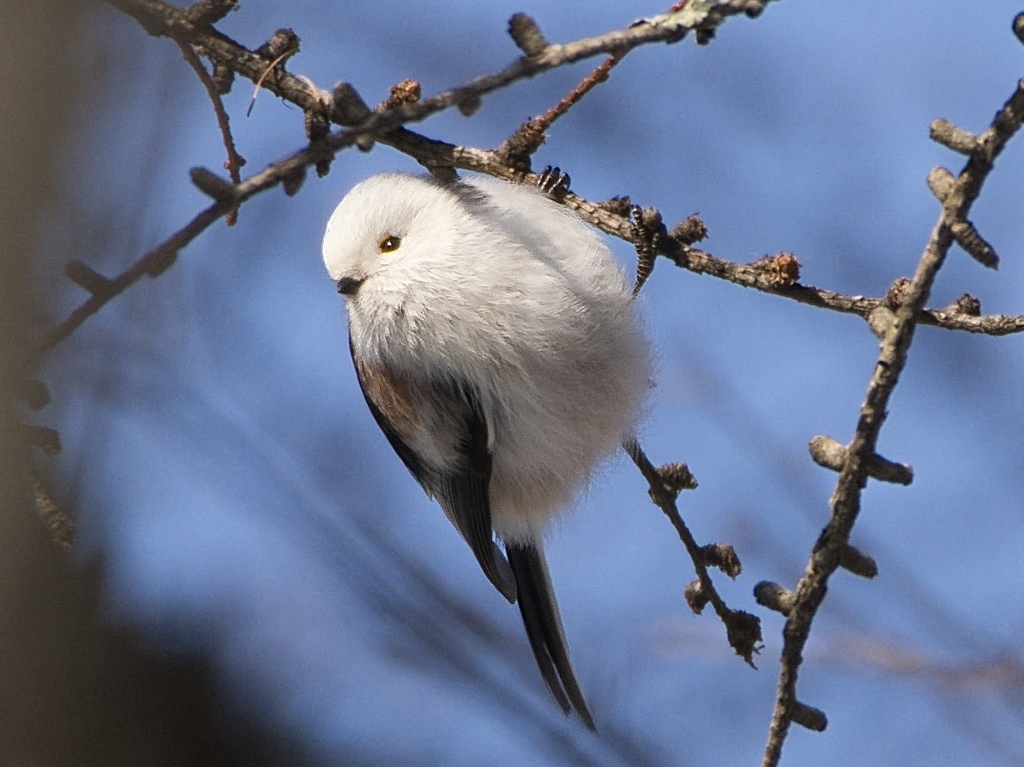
(387, 226)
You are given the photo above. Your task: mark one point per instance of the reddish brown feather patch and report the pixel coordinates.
(394, 396)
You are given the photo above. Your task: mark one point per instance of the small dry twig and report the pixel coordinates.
(743, 630)
(234, 162)
(282, 45)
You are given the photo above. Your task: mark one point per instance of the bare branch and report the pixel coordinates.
(234, 162)
(518, 147)
(159, 18)
(833, 544)
(742, 629)
(152, 263)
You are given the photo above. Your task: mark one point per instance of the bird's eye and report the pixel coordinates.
(389, 243)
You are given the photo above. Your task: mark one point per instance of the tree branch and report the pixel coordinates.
(159, 18)
(162, 19)
(664, 484)
(828, 553)
(234, 162)
(190, 28)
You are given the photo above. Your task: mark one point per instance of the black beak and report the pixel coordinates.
(348, 286)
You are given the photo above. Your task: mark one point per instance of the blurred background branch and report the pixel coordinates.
(74, 690)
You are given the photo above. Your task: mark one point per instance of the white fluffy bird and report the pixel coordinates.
(497, 345)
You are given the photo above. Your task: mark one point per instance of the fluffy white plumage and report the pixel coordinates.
(497, 344)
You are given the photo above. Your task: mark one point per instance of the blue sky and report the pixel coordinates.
(245, 506)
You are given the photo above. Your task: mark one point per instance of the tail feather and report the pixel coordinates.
(544, 628)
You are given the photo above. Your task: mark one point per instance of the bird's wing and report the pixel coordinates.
(409, 415)
(544, 627)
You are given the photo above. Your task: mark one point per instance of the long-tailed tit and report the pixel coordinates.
(496, 343)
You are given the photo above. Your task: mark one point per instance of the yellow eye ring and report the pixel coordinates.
(389, 243)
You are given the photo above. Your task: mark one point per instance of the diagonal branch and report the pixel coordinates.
(193, 29)
(485, 161)
(234, 162)
(159, 259)
(743, 630)
(827, 555)
(439, 153)
(159, 18)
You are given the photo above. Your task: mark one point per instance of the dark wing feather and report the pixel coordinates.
(373, 392)
(544, 628)
(461, 490)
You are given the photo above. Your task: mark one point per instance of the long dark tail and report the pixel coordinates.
(544, 628)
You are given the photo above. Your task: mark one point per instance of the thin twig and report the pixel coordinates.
(157, 260)
(263, 77)
(598, 75)
(234, 162)
(528, 137)
(664, 499)
(743, 629)
(147, 264)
